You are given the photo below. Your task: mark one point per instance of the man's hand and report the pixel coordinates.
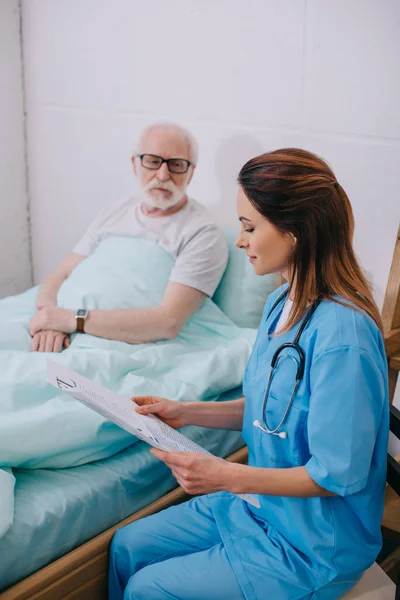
(53, 318)
(49, 341)
(197, 473)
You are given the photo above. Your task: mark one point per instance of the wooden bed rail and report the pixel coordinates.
(82, 573)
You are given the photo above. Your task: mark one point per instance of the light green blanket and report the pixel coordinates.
(40, 428)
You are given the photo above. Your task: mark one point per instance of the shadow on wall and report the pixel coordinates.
(231, 155)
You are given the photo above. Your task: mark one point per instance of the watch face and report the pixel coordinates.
(82, 312)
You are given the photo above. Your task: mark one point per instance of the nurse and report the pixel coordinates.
(317, 440)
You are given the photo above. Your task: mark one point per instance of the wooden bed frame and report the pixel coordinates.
(82, 573)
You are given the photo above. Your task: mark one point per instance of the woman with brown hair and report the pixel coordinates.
(314, 416)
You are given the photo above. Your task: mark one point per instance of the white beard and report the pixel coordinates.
(163, 203)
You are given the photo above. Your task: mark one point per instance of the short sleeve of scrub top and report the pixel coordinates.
(347, 388)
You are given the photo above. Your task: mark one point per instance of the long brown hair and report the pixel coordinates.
(298, 193)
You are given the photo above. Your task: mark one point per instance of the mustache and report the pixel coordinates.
(168, 186)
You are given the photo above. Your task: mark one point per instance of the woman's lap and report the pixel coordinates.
(177, 551)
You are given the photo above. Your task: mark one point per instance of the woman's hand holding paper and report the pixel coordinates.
(197, 473)
(169, 411)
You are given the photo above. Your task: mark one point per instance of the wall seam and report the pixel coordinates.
(304, 116)
(25, 137)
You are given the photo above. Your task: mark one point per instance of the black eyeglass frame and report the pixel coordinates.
(165, 160)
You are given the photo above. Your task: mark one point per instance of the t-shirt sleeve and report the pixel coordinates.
(202, 261)
(346, 404)
(91, 237)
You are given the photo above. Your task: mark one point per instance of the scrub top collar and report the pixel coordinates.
(272, 320)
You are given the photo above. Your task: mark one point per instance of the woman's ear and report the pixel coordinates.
(293, 238)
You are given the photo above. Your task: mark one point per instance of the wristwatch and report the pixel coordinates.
(81, 316)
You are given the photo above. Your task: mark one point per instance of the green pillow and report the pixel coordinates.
(241, 293)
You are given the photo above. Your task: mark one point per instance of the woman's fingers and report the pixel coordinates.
(145, 400)
(139, 399)
(149, 405)
(167, 410)
(160, 454)
(174, 459)
(148, 409)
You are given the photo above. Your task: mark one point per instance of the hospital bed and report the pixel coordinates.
(57, 547)
(81, 574)
(64, 519)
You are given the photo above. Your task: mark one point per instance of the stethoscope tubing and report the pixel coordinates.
(300, 363)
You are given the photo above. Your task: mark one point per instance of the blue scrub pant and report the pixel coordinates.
(177, 553)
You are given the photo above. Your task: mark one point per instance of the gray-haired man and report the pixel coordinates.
(164, 164)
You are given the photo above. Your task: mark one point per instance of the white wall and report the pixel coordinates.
(246, 77)
(15, 268)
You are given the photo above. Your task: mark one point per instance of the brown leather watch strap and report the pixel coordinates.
(80, 317)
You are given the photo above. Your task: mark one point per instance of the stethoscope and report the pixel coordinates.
(300, 362)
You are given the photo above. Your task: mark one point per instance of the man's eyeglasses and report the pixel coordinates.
(175, 165)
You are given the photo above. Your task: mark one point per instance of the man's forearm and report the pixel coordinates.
(134, 326)
(217, 415)
(47, 295)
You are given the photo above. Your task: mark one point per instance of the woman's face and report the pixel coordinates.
(268, 249)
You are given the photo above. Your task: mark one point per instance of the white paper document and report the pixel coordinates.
(121, 411)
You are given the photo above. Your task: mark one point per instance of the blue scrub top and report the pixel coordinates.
(337, 429)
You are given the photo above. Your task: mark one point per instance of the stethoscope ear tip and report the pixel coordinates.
(256, 423)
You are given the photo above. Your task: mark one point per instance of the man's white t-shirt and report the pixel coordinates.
(190, 235)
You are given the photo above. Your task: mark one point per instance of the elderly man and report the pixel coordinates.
(164, 164)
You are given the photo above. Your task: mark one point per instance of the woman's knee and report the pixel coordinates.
(128, 539)
(118, 545)
(132, 547)
(143, 587)
(123, 549)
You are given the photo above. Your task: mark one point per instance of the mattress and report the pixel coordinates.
(57, 510)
